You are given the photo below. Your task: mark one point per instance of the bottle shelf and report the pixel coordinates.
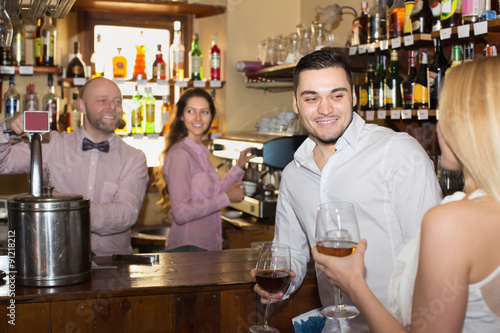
(29, 70)
(410, 41)
(77, 82)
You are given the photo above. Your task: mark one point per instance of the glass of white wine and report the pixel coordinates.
(337, 234)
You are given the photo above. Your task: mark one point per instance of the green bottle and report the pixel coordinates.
(136, 117)
(393, 81)
(149, 111)
(195, 60)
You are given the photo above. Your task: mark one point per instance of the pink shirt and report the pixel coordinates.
(115, 182)
(197, 194)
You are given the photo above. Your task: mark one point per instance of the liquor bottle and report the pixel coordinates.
(393, 94)
(409, 83)
(451, 13)
(38, 43)
(49, 43)
(5, 56)
(140, 60)
(159, 66)
(96, 58)
(215, 60)
(119, 66)
(177, 54)
(74, 120)
(456, 55)
(436, 14)
(470, 11)
(360, 26)
(76, 67)
(19, 43)
(12, 99)
(166, 114)
(408, 29)
(378, 83)
(396, 19)
(31, 99)
(377, 22)
(51, 102)
(421, 86)
(136, 116)
(149, 111)
(366, 89)
(469, 52)
(421, 17)
(195, 60)
(435, 74)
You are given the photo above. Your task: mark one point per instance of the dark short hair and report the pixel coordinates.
(320, 59)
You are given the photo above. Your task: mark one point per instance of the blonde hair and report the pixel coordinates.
(469, 119)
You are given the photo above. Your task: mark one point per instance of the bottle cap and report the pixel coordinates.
(177, 25)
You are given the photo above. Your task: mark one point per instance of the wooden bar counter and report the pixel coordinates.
(182, 292)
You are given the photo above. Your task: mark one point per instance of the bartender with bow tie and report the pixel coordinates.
(91, 161)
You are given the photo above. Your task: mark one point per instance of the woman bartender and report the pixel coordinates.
(191, 189)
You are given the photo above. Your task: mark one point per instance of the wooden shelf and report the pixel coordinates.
(5, 70)
(148, 7)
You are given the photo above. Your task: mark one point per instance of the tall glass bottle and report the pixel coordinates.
(195, 60)
(421, 17)
(74, 115)
(140, 60)
(119, 66)
(49, 46)
(97, 58)
(377, 22)
(408, 29)
(51, 102)
(409, 82)
(397, 19)
(393, 93)
(215, 60)
(436, 14)
(451, 13)
(177, 54)
(19, 43)
(421, 86)
(166, 114)
(76, 67)
(31, 100)
(38, 43)
(159, 66)
(136, 114)
(435, 74)
(360, 26)
(149, 106)
(366, 89)
(378, 83)
(12, 99)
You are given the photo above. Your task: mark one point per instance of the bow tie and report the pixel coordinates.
(101, 146)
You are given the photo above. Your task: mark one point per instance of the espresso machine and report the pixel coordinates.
(273, 153)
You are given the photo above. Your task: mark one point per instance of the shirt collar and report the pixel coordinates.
(196, 147)
(304, 154)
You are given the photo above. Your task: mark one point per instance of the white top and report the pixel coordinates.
(479, 316)
(386, 175)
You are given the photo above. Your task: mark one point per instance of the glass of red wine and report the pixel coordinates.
(272, 275)
(337, 234)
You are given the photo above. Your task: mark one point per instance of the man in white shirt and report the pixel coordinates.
(386, 175)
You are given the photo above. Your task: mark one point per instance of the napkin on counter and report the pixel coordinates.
(309, 322)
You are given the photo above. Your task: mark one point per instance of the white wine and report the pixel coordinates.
(336, 248)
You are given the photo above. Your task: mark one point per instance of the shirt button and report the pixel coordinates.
(324, 190)
(90, 187)
(93, 163)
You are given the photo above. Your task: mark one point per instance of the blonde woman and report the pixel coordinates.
(448, 275)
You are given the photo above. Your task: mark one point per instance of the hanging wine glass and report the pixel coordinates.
(5, 27)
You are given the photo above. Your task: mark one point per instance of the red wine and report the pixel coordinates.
(336, 248)
(273, 281)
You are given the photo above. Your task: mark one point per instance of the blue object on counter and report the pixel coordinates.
(309, 322)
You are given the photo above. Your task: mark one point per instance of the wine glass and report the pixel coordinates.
(272, 275)
(337, 234)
